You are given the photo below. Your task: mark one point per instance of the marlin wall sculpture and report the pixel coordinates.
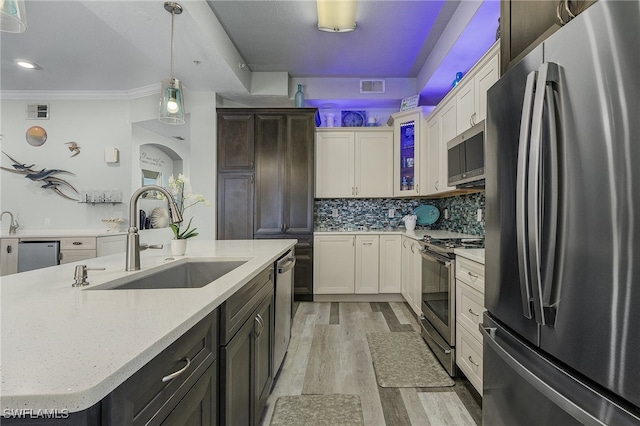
(45, 177)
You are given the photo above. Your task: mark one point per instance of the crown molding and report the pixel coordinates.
(82, 95)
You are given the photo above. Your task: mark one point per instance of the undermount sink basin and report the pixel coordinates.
(191, 274)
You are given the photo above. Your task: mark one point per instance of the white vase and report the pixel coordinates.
(178, 247)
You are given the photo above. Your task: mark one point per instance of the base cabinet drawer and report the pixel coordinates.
(469, 308)
(68, 256)
(469, 356)
(163, 385)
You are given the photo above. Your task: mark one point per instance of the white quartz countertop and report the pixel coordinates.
(60, 233)
(67, 348)
(475, 254)
(417, 234)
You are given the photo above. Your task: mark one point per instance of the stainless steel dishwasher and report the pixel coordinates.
(37, 254)
(284, 299)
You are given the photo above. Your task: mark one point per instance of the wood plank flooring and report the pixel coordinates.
(329, 354)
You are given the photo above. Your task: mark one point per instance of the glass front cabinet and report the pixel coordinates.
(408, 138)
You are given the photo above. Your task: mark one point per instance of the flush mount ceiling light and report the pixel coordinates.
(336, 16)
(12, 16)
(171, 95)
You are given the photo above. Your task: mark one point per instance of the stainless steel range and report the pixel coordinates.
(439, 296)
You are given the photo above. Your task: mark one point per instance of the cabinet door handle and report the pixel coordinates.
(177, 373)
(251, 179)
(356, 190)
(353, 191)
(436, 185)
(251, 164)
(418, 188)
(260, 322)
(473, 362)
(473, 313)
(8, 249)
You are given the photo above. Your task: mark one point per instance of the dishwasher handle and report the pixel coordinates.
(287, 266)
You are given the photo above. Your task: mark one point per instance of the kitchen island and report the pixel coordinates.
(66, 348)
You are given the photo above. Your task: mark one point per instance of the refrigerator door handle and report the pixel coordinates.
(491, 343)
(543, 313)
(521, 194)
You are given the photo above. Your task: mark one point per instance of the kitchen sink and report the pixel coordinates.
(191, 274)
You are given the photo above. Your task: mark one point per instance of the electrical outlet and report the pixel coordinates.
(334, 212)
(479, 213)
(392, 212)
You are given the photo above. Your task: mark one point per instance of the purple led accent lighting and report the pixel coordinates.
(474, 41)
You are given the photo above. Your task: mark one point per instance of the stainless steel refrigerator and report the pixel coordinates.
(562, 330)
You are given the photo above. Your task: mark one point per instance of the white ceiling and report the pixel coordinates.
(121, 47)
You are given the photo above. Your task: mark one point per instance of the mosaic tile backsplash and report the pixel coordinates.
(373, 213)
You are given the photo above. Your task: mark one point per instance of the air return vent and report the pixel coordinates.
(371, 86)
(38, 112)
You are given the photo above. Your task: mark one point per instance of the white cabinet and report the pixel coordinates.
(354, 163)
(471, 98)
(75, 249)
(390, 264)
(448, 131)
(366, 264)
(8, 256)
(469, 310)
(412, 274)
(357, 264)
(409, 138)
(432, 182)
(111, 244)
(334, 264)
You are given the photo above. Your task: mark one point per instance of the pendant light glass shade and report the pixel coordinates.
(171, 93)
(336, 16)
(12, 16)
(171, 102)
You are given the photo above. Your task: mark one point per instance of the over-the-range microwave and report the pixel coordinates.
(465, 158)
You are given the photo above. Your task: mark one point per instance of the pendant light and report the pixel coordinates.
(172, 95)
(12, 16)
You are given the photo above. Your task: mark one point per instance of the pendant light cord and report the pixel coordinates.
(172, 16)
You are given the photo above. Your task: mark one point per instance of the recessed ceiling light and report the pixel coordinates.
(28, 64)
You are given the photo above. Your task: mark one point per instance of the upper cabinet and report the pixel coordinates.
(237, 128)
(471, 97)
(524, 24)
(354, 163)
(408, 136)
(462, 108)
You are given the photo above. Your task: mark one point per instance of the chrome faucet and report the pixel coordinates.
(133, 238)
(13, 225)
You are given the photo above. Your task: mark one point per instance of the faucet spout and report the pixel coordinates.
(13, 224)
(133, 237)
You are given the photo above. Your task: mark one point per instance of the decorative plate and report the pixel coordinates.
(354, 118)
(427, 214)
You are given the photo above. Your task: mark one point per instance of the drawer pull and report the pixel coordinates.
(177, 373)
(77, 243)
(473, 362)
(473, 275)
(367, 244)
(260, 323)
(473, 313)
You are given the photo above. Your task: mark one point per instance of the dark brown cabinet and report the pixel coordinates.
(235, 212)
(179, 383)
(246, 355)
(278, 202)
(524, 24)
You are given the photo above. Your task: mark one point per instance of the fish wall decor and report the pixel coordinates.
(46, 177)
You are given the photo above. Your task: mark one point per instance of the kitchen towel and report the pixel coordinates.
(318, 410)
(403, 360)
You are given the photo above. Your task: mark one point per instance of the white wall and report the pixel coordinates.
(94, 125)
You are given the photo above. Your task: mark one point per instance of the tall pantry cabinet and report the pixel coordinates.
(266, 180)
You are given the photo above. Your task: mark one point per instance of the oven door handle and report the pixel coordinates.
(445, 263)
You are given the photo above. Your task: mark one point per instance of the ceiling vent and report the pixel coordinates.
(38, 112)
(371, 86)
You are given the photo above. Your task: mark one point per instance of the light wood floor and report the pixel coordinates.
(329, 354)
